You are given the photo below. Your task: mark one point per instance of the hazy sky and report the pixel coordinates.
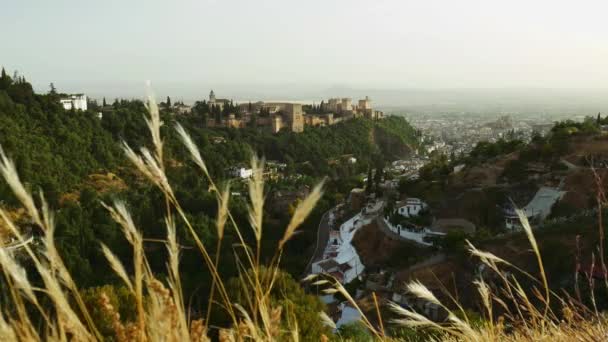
(306, 43)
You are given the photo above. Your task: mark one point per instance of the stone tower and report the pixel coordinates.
(295, 116)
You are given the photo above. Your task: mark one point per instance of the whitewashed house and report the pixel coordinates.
(241, 172)
(410, 207)
(536, 211)
(340, 258)
(75, 101)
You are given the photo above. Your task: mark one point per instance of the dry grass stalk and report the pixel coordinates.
(302, 211)
(256, 196)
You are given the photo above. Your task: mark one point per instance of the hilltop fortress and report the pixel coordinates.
(277, 116)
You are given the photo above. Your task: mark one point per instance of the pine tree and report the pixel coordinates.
(53, 90)
(168, 102)
(104, 102)
(5, 80)
(225, 110)
(599, 119)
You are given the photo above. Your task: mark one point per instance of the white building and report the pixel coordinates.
(181, 108)
(75, 101)
(340, 258)
(536, 211)
(426, 235)
(242, 172)
(213, 101)
(410, 207)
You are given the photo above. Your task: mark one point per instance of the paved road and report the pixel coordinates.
(388, 232)
(322, 239)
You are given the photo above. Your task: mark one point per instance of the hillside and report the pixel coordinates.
(56, 150)
(572, 158)
(558, 247)
(362, 138)
(378, 250)
(75, 158)
(396, 137)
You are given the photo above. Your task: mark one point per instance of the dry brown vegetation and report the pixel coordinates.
(15, 215)
(483, 175)
(581, 186)
(101, 183)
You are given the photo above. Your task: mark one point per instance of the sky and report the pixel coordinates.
(288, 47)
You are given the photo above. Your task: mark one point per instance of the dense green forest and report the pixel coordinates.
(76, 159)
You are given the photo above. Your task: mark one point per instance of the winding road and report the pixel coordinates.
(322, 239)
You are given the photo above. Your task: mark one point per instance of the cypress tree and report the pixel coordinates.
(378, 176)
(5, 80)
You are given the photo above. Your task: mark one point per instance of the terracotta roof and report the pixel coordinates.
(328, 264)
(345, 267)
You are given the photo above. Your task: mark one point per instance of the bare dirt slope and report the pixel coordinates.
(376, 249)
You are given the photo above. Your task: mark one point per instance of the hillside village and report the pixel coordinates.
(386, 216)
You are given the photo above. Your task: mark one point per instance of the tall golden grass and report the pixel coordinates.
(161, 313)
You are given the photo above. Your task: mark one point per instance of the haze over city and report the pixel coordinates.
(308, 50)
